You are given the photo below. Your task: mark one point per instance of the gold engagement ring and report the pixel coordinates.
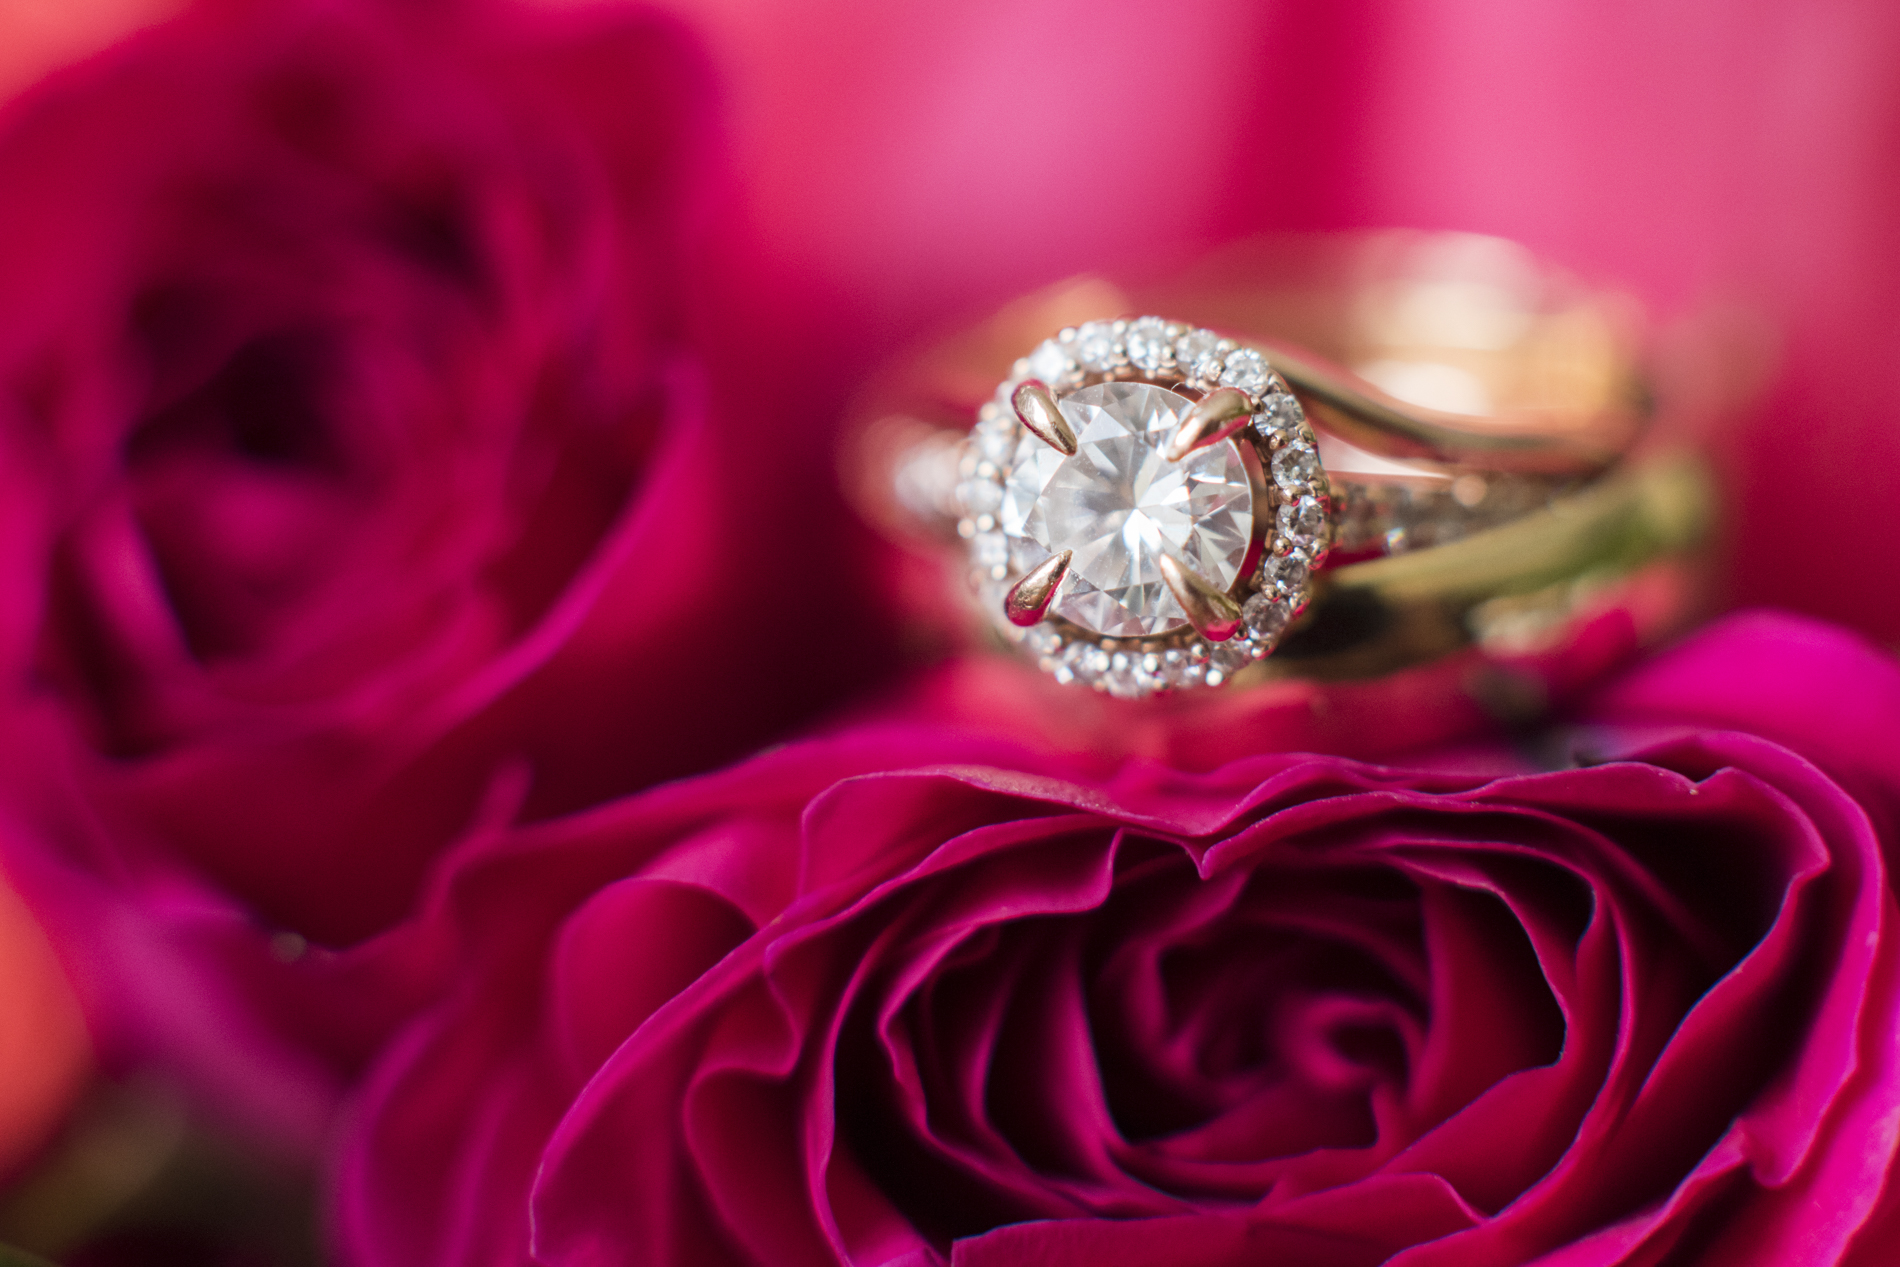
(1156, 503)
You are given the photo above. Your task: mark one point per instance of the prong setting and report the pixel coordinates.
(1214, 615)
(1015, 492)
(1036, 409)
(1027, 602)
(1214, 418)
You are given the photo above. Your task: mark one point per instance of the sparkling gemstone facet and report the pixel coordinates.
(1096, 345)
(1295, 467)
(1285, 574)
(1119, 505)
(1266, 616)
(1050, 363)
(1247, 370)
(1303, 523)
(1198, 353)
(1147, 343)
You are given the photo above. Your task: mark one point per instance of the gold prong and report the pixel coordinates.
(1212, 419)
(1214, 615)
(1036, 406)
(1028, 600)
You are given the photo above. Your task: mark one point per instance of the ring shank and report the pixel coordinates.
(1482, 419)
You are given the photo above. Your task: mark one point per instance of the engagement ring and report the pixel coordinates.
(1152, 503)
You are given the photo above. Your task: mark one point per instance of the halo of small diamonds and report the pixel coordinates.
(1292, 486)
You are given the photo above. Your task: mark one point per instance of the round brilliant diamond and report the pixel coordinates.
(1198, 354)
(1295, 468)
(1096, 346)
(1247, 370)
(1119, 506)
(1147, 343)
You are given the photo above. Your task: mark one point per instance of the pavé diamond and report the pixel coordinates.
(1198, 353)
(980, 497)
(1295, 468)
(1303, 523)
(1147, 343)
(1224, 659)
(1095, 344)
(989, 550)
(1266, 616)
(1286, 574)
(1118, 504)
(996, 440)
(1247, 370)
(1050, 363)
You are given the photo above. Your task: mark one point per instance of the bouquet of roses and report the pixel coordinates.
(421, 505)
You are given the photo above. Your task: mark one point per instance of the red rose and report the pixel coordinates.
(347, 379)
(896, 997)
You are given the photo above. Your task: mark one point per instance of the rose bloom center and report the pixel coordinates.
(1119, 505)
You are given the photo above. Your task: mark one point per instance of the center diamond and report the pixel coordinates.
(1119, 505)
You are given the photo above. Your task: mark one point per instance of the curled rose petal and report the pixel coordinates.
(948, 1003)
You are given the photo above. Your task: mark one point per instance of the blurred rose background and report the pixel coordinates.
(881, 171)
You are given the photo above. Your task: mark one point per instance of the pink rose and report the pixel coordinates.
(361, 485)
(902, 997)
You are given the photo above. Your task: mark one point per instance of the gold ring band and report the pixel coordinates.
(1487, 470)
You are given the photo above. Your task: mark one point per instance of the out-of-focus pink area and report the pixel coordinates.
(37, 35)
(44, 1052)
(236, 250)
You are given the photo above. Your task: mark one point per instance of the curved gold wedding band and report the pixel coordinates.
(1422, 443)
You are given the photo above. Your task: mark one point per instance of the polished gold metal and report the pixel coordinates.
(1210, 420)
(1028, 600)
(1392, 428)
(1494, 485)
(1036, 406)
(1214, 615)
(1522, 583)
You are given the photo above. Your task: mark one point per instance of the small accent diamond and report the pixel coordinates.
(980, 497)
(1303, 523)
(1295, 468)
(1096, 346)
(1050, 363)
(1228, 658)
(1286, 573)
(1085, 661)
(1178, 670)
(996, 441)
(1123, 679)
(1283, 406)
(989, 550)
(1147, 343)
(1247, 370)
(1266, 616)
(1198, 353)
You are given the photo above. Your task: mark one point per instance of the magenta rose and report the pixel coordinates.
(1626, 992)
(356, 444)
